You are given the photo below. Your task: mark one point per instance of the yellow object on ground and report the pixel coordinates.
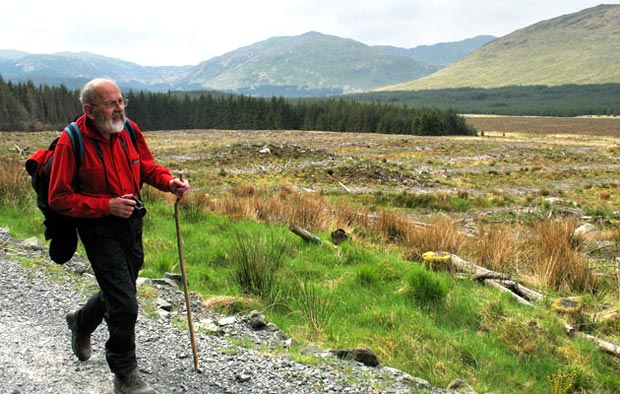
(438, 261)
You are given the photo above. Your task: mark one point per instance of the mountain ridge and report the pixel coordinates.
(309, 64)
(578, 48)
(442, 53)
(312, 60)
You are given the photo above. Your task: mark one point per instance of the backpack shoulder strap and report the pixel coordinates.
(76, 142)
(132, 133)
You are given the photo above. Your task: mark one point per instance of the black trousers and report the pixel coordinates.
(114, 248)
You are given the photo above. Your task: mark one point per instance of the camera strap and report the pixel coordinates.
(135, 184)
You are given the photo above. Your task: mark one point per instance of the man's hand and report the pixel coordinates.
(121, 207)
(179, 187)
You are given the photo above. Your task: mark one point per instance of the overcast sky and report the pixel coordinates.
(186, 32)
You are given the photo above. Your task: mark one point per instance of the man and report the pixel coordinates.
(104, 198)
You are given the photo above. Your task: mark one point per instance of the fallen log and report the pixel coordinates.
(467, 267)
(521, 290)
(606, 346)
(305, 234)
(477, 271)
(490, 275)
(344, 187)
(524, 295)
(499, 286)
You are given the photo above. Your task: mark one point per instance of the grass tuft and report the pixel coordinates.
(425, 288)
(257, 259)
(555, 256)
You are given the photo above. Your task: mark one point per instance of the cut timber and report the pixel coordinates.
(498, 285)
(606, 346)
(491, 275)
(344, 187)
(524, 296)
(480, 272)
(305, 234)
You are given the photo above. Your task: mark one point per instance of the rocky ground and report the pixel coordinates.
(36, 356)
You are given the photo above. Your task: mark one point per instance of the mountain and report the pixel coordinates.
(73, 69)
(11, 54)
(579, 48)
(442, 54)
(311, 62)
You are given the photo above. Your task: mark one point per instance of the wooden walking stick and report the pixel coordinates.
(185, 286)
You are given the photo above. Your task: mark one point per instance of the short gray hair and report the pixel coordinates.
(89, 91)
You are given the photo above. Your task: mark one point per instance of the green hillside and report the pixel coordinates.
(579, 48)
(310, 61)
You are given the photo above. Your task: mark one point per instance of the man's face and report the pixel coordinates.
(108, 112)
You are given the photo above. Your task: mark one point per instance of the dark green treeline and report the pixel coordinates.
(26, 107)
(564, 100)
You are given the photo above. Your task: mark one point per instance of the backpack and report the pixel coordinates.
(60, 230)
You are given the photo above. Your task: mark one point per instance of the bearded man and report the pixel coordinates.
(104, 197)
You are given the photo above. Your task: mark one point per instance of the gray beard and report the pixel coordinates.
(112, 126)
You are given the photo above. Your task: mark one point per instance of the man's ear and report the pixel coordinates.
(88, 111)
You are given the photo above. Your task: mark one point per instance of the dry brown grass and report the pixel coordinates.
(392, 228)
(244, 190)
(307, 210)
(495, 247)
(555, 255)
(229, 304)
(347, 216)
(442, 235)
(14, 181)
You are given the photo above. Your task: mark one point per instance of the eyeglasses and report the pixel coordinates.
(123, 102)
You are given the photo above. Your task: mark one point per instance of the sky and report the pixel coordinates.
(187, 32)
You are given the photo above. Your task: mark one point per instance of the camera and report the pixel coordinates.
(139, 210)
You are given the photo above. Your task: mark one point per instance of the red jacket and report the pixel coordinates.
(89, 197)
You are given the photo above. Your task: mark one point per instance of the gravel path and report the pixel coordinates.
(36, 356)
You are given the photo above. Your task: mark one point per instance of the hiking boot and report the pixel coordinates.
(80, 342)
(131, 383)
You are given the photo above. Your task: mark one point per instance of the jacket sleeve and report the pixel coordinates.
(151, 172)
(63, 197)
